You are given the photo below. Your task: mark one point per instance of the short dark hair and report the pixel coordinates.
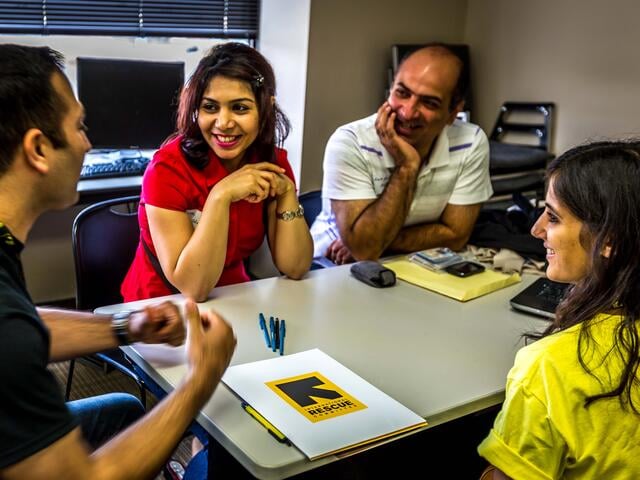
(240, 62)
(28, 98)
(461, 89)
(599, 183)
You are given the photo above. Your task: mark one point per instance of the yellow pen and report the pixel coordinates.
(275, 433)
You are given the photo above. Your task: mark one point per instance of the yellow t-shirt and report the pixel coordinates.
(544, 430)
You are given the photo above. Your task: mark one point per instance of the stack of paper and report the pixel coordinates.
(320, 405)
(460, 288)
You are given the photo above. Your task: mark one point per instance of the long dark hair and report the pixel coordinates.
(600, 185)
(240, 62)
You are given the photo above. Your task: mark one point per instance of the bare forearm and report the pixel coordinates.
(201, 262)
(293, 251)
(292, 246)
(74, 334)
(142, 449)
(452, 230)
(378, 225)
(139, 451)
(420, 237)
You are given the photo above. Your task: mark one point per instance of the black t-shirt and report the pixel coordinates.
(33, 414)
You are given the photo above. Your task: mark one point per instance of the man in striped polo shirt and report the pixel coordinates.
(409, 177)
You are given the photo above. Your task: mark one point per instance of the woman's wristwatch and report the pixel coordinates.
(289, 215)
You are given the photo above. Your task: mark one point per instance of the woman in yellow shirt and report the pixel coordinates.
(572, 403)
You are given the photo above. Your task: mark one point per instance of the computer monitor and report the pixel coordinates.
(130, 104)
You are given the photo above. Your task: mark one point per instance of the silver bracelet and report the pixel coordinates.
(289, 215)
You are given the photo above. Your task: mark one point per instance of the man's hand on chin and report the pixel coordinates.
(403, 153)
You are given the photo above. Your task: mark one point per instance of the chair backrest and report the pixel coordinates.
(519, 148)
(524, 123)
(105, 236)
(312, 204)
(260, 263)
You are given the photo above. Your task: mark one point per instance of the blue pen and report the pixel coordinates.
(263, 327)
(272, 329)
(283, 331)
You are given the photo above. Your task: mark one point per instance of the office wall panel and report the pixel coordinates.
(580, 54)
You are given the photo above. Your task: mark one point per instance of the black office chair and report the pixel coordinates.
(105, 236)
(519, 147)
(312, 203)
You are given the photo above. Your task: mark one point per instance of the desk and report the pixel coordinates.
(98, 189)
(94, 190)
(441, 358)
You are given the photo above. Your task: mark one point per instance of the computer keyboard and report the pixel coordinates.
(122, 167)
(552, 291)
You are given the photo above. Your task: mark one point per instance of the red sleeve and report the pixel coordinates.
(281, 160)
(166, 181)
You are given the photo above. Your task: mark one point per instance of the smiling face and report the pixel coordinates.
(421, 97)
(228, 119)
(561, 232)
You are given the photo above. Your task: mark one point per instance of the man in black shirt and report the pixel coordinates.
(42, 146)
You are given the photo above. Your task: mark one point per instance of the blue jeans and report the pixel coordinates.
(104, 416)
(198, 467)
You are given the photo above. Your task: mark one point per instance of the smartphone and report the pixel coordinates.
(436, 258)
(464, 269)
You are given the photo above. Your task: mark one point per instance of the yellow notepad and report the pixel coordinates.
(462, 289)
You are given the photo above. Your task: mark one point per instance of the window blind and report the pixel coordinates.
(174, 18)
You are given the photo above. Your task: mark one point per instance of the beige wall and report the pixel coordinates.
(580, 54)
(284, 41)
(349, 53)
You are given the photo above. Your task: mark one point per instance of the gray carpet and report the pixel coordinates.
(90, 380)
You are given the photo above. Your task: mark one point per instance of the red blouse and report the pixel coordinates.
(172, 183)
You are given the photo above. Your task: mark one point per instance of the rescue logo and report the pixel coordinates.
(315, 397)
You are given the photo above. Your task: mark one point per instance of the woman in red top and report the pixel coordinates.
(219, 184)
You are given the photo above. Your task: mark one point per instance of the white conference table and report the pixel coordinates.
(441, 358)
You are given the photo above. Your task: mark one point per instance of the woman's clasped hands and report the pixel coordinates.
(254, 183)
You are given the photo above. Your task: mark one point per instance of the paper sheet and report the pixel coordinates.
(462, 289)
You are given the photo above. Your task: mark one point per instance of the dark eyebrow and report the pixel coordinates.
(235, 100)
(553, 210)
(430, 98)
(404, 87)
(423, 98)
